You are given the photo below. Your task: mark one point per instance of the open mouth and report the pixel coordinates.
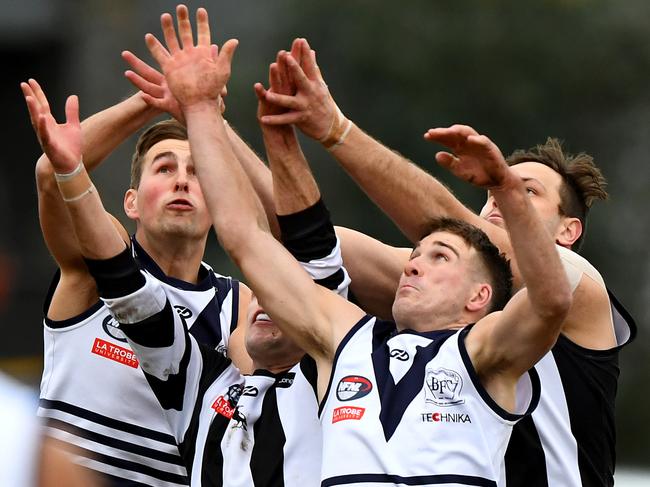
(262, 317)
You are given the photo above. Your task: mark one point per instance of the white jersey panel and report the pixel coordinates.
(423, 421)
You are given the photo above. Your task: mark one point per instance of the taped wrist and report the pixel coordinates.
(116, 277)
(309, 233)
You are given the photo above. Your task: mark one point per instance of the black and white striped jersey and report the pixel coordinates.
(96, 399)
(570, 440)
(260, 430)
(407, 408)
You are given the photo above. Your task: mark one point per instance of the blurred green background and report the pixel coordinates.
(516, 71)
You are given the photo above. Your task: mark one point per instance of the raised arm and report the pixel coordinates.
(155, 91)
(285, 291)
(407, 194)
(102, 132)
(504, 345)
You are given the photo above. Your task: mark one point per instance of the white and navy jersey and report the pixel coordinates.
(570, 439)
(408, 408)
(96, 399)
(260, 430)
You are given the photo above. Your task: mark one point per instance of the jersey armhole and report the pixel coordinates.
(535, 387)
(60, 324)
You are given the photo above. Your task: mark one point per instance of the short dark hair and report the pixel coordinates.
(167, 129)
(494, 262)
(582, 182)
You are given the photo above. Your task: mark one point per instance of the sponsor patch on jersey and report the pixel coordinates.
(115, 352)
(445, 418)
(347, 412)
(286, 381)
(353, 387)
(226, 404)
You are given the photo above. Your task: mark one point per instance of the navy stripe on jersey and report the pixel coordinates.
(423, 480)
(587, 380)
(395, 398)
(531, 472)
(267, 458)
(114, 442)
(106, 421)
(146, 262)
(332, 281)
(117, 481)
(211, 474)
(337, 354)
(310, 371)
(132, 466)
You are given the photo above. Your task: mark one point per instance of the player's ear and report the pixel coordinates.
(569, 232)
(480, 298)
(131, 204)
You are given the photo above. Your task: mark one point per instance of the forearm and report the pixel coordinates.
(407, 194)
(234, 206)
(294, 187)
(259, 175)
(534, 250)
(104, 131)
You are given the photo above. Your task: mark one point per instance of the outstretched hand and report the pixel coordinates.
(475, 159)
(195, 74)
(153, 86)
(280, 82)
(312, 109)
(60, 142)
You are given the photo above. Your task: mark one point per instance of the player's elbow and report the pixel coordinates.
(555, 306)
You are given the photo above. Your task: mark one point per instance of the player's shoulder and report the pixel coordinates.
(575, 265)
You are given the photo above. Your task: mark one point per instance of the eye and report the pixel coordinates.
(441, 257)
(530, 190)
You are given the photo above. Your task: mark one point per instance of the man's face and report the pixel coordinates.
(266, 344)
(543, 187)
(436, 283)
(169, 200)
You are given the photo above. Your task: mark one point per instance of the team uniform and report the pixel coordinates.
(408, 408)
(570, 438)
(234, 430)
(96, 399)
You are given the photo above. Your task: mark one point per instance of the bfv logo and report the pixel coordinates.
(443, 387)
(353, 387)
(399, 354)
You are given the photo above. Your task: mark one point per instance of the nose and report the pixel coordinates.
(182, 180)
(412, 268)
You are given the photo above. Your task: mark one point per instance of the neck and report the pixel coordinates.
(278, 366)
(178, 258)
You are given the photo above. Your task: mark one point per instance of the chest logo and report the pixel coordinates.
(183, 311)
(399, 354)
(110, 327)
(226, 404)
(114, 352)
(353, 387)
(443, 387)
